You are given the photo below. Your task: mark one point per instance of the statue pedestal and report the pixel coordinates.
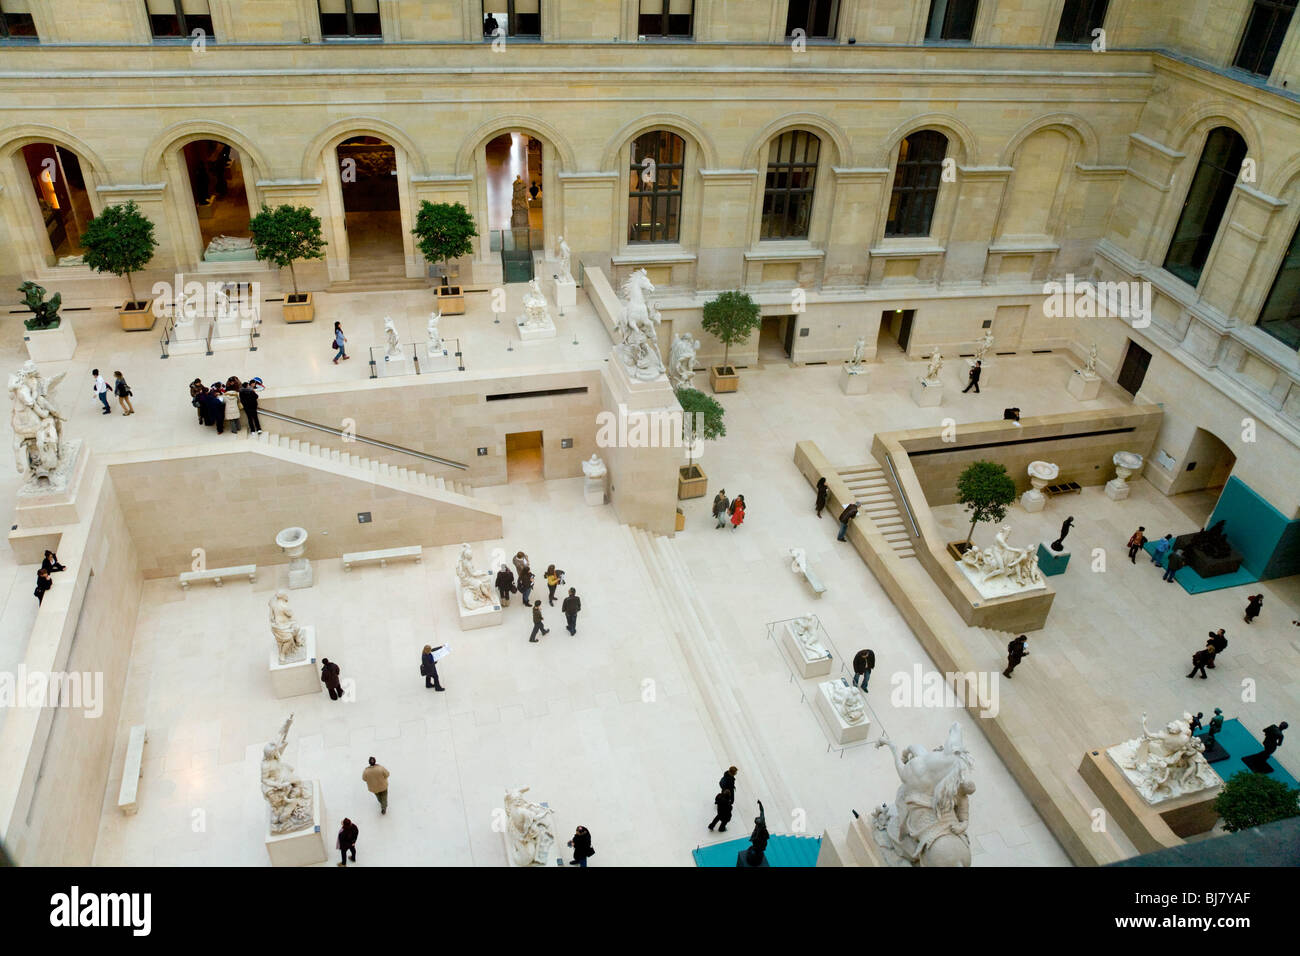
(806, 668)
(394, 365)
(299, 677)
(1117, 490)
(566, 293)
(547, 857)
(854, 381)
(1052, 562)
(593, 490)
(846, 733)
(301, 574)
(489, 615)
(51, 345)
(436, 360)
(303, 847)
(1033, 501)
(531, 333)
(1084, 386)
(927, 394)
(52, 502)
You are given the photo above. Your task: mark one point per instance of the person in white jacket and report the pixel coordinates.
(231, 398)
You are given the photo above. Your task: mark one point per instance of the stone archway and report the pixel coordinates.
(514, 166)
(371, 198)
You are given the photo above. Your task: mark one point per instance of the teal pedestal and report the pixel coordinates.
(1049, 562)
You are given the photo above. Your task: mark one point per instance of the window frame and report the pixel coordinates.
(1223, 184)
(1276, 9)
(512, 18)
(807, 194)
(653, 194)
(185, 30)
(1291, 254)
(6, 36)
(1085, 13)
(350, 13)
(895, 212)
(833, 27)
(948, 16)
(664, 15)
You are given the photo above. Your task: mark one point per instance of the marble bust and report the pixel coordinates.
(529, 833)
(926, 824)
(475, 586)
(804, 630)
(291, 800)
(594, 467)
(936, 364)
(287, 631)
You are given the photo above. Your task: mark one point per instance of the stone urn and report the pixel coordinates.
(1041, 474)
(293, 541)
(1127, 463)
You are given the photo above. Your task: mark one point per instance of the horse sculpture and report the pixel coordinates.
(926, 826)
(639, 348)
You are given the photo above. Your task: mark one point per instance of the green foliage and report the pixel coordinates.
(731, 318)
(443, 231)
(119, 240)
(701, 417)
(45, 314)
(986, 490)
(285, 234)
(1252, 799)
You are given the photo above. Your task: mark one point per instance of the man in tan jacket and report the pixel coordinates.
(376, 778)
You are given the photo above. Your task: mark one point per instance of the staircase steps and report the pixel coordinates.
(404, 475)
(877, 502)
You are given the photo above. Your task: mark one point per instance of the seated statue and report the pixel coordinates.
(288, 633)
(529, 833)
(536, 312)
(475, 586)
(36, 422)
(291, 800)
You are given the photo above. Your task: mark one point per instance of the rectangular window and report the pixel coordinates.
(1207, 200)
(1265, 30)
(788, 193)
(818, 19)
(16, 21)
(952, 20)
(178, 19)
(1280, 317)
(350, 19)
(666, 18)
(916, 184)
(512, 18)
(655, 187)
(1079, 18)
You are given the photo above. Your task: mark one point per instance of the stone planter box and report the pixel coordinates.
(451, 299)
(51, 345)
(138, 316)
(692, 482)
(299, 308)
(957, 548)
(723, 378)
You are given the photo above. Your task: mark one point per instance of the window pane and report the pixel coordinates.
(654, 207)
(1265, 30)
(1280, 316)
(1207, 198)
(916, 184)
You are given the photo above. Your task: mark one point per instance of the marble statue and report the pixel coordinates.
(394, 350)
(681, 360)
(1090, 366)
(848, 702)
(529, 833)
(798, 561)
(638, 340)
(1059, 544)
(536, 313)
(927, 823)
(936, 363)
(594, 467)
(291, 799)
(1017, 565)
(859, 350)
(475, 586)
(566, 257)
(37, 424)
(230, 244)
(1165, 764)
(518, 204)
(804, 630)
(983, 346)
(435, 339)
(288, 632)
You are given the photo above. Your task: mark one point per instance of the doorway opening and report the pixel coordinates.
(514, 199)
(775, 338)
(1206, 468)
(217, 185)
(895, 328)
(524, 460)
(61, 195)
(1133, 371)
(372, 212)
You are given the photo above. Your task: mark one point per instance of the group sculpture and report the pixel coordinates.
(474, 586)
(681, 360)
(1165, 764)
(45, 314)
(290, 639)
(847, 701)
(1018, 566)
(291, 799)
(935, 366)
(537, 315)
(804, 631)
(927, 823)
(39, 449)
(638, 340)
(529, 833)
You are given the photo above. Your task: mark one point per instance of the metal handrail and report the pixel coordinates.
(902, 496)
(350, 437)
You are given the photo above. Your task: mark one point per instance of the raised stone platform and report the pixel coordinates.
(1085, 386)
(854, 381)
(297, 677)
(304, 847)
(488, 616)
(842, 731)
(927, 394)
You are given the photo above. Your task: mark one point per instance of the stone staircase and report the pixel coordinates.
(378, 274)
(412, 476)
(876, 501)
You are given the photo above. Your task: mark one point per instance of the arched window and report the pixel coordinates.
(61, 195)
(1280, 316)
(1207, 198)
(654, 205)
(916, 183)
(788, 195)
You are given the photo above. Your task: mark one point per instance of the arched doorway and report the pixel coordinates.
(217, 187)
(1205, 470)
(63, 202)
(515, 198)
(372, 208)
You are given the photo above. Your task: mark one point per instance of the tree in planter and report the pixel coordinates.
(45, 315)
(1251, 799)
(119, 240)
(731, 317)
(986, 490)
(701, 420)
(443, 232)
(285, 234)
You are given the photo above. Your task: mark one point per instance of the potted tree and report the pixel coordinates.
(731, 317)
(443, 232)
(1252, 799)
(282, 235)
(986, 490)
(120, 240)
(701, 421)
(49, 336)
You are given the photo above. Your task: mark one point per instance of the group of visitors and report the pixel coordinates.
(522, 581)
(221, 403)
(44, 581)
(728, 511)
(119, 388)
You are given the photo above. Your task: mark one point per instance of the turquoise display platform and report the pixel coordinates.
(1239, 742)
(783, 849)
(1193, 583)
(1049, 562)
(1268, 540)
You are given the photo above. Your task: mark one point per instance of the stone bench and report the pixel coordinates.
(813, 580)
(383, 557)
(131, 771)
(1065, 488)
(216, 574)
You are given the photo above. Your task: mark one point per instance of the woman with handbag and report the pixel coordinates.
(339, 342)
(123, 393)
(737, 512)
(581, 844)
(553, 579)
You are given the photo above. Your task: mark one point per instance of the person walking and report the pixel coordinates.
(505, 585)
(51, 562)
(1015, 654)
(1217, 643)
(571, 606)
(1201, 660)
(1174, 564)
(1135, 542)
(123, 393)
(43, 583)
(231, 399)
(376, 778)
(101, 390)
(248, 399)
(864, 662)
(974, 378)
(728, 781)
(526, 584)
(720, 508)
(553, 579)
(737, 512)
(1254, 604)
(429, 667)
(329, 675)
(347, 841)
(581, 844)
(823, 492)
(847, 515)
(1161, 549)
(537, 623)
(340, 343)
(723, 803)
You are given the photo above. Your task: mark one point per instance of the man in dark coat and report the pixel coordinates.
(864, 662)
(1200, 661)
(581, 844)
(1016, 653)
(847, 515)
(213, 410)
(348, 834)
(1173, 564)
(248, 398)
(43, 583)
(1217, 643)
(724, 801)
(329, 675)
(537, 623)
(571, 606)
(505, 584)
(974, 378)
(823, 492)
(720, 507)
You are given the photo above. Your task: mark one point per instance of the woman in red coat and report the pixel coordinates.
(737, 512)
